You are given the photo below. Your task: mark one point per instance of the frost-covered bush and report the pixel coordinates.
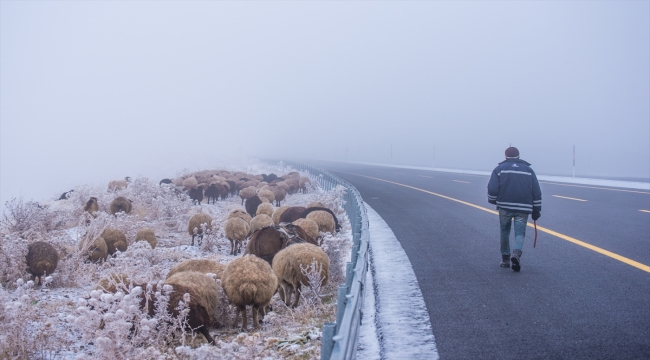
(28, 219)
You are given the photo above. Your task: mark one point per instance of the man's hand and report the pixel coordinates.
(536, 214)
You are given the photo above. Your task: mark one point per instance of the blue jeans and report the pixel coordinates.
(505, 220)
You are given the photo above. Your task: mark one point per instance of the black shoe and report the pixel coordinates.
(516, 264)
(505, 261)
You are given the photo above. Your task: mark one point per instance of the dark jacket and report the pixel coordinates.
(514, 187)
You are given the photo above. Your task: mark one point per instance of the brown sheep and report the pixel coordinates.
(265, 208)
(116, 185)
(266, 242)
(121, 204)
(240, 214)
(302, 183)
(310, 228)
(247, 193)
(41, 259)
(287, 266)
(190, 183)
(237, 230)
(260, 221)
(292, 214)
(315, 204)
(306, 213)
(91, 206)
(203, 266)
(203, 303)
(267, 194)
(324, 220)
(293, 185)
(115, 240)
(147, 235)
(194, 227)
(96, 248)
(251, 205)
(277, 213)
(249, 280)
(279, 194)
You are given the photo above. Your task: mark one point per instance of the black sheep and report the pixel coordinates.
(196, 194)
(212, 193)
(251, 205)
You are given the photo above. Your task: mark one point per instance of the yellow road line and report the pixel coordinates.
(602, 251)
(595, 187)
(566, 197)
(430, 177)
(461, 181)
(648, 211)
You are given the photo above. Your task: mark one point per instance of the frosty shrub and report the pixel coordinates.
(27, 219)
(13, 250)
(312, 294)
(24, 332)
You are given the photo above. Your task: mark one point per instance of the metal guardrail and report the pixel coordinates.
(339, 339)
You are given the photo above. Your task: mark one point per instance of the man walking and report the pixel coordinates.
(514, 189)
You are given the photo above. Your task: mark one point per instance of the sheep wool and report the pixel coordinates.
(324, 220)
(265, 208)
(121, 204)
(190, 183)
(96, 249)
(287, 266)
(147, 235)
(260, 221)
(194, 227)
(310, 227)
(278, 213)
(115, 240)
(249, 280)
(237, 230)
(247, 193)
(315, 204)
(203, 266)
(42, 259)
(266, 194)
(240, 214)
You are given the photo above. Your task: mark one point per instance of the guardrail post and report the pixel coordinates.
(327, 344)
(340, 305)
(355, 254)
(349, 274)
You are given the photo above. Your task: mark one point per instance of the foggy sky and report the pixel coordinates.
(95, 91)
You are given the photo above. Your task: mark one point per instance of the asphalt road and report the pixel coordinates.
(568, 301)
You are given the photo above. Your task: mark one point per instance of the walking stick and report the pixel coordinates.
(535, 242)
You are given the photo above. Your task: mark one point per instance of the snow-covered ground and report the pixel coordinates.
(396, 323)
(62, 318)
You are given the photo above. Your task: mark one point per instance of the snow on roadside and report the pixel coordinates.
(402, 328)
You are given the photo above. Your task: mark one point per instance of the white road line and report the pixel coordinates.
(401, 319)
(566, 197)
(648, 211)
(430, 177)
(461, 181)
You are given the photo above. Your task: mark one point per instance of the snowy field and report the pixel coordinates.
(67, 318)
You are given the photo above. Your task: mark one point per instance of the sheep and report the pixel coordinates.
(121, 204)
(302, 183)
(315, 204)
(324, 220)
(260, 221)
(237, 230)
(178, 181)
(246, 184)
(240, 214)
(66, 195)
(195, 226)
(247, 193)
(91, 206)
(41, 259)
(267, 194)
(337, 226)
(277, 213)
(293, 185)
(115, 240)
(279, 194)
(258, 178)
(249, 280)
(203, 266)
(267, 241)
(264, 208)
(165, 181)
(261, 184)
(190, 183)
(292, 214)
(232, 183)
(96, 249)
(147, 235)
(116, 185)
(203, 300)
(212, 193)
(310, 227)
(288, 265)
(251, 205)
(196, 194)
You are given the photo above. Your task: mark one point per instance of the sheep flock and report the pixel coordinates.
(229, 263)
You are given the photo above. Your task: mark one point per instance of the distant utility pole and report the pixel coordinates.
(574, 161)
